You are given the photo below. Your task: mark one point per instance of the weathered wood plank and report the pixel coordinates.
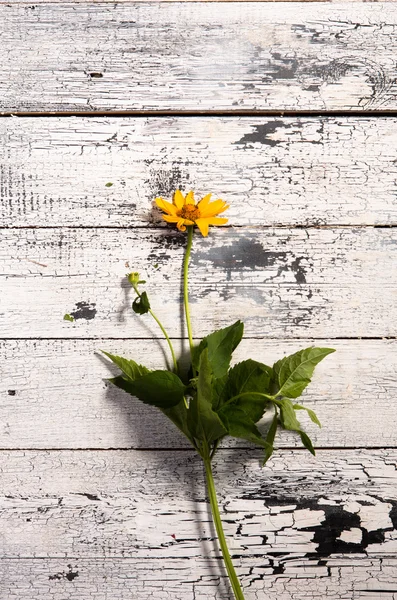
(350, 578)
(326, 170)
(53, 394)
(281, 282)
(287, 524)
(197, 56)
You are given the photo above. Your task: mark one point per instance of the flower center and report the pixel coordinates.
(189, 211)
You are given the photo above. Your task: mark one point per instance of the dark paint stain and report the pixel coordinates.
(278, 569)
(164, 182)
(89, 496)
(332, 72)
(95, 75)
(393, 513)
(311, 34)
(11, 392)
(246, 253)
(70, 575)
(312, 88)
(261, 134)
(286, 67)
(164, 245)
(335, 522)
(84, 310)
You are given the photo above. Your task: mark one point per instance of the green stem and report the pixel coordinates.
(271, 398)
(167, 338)
(185, 289)
(138, 293)
(238, 594)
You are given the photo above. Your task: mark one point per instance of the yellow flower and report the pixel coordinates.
(184, 211)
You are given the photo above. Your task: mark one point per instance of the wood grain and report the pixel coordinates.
(282, 282)
(74, 510)
(350, 577)
(304, 171)
(197, 56)
(57, 388)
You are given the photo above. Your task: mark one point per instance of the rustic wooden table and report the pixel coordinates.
(289, 112)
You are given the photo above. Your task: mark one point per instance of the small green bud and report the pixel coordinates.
(133, 278)
(68, 318)
(109, 184)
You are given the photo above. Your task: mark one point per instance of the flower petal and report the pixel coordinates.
(181, 225)
(166, 206)
(179, 199)
(171, 218)
(202, 224)
(204, 202)
(214, 208)
(217, 220)
(190, 198)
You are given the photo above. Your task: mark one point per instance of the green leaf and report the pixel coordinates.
(247, 376)
(289, 421)
(203, 422)
(129, 367)
(124, 384)
(271, 434)
(239, 424)
(293, 373)
(310, 412)
(288, 416)
(109, 184)
(220, 344)
(159, 388)
(178, 415)
(68, 317)
(141, 304)
(306, 441)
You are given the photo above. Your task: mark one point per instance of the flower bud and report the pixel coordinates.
(133, 278)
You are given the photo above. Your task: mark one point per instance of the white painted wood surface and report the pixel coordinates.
(81, 513)
(100, 499)
(197, 56)
(282, 282)
(57, 387)
(274, 171)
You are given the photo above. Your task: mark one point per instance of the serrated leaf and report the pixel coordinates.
(306, 441)
(247, 376)
(123, 383)
(204, 424)
(162, 389)
(178, 415)
(293, 373)
(221, 344)
(141, 304)
(287, 415)
(310, 412)
(129, 367)
(159, 388)
(271, 434)
(239, 424)
(289, 421)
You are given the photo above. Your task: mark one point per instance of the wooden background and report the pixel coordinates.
(289, 112)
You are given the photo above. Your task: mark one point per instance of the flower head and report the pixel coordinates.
(184, 211)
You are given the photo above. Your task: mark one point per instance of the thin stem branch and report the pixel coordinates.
(271, 398)
(186, 292)
(238, 594)
(134, 285)
(167, 338)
